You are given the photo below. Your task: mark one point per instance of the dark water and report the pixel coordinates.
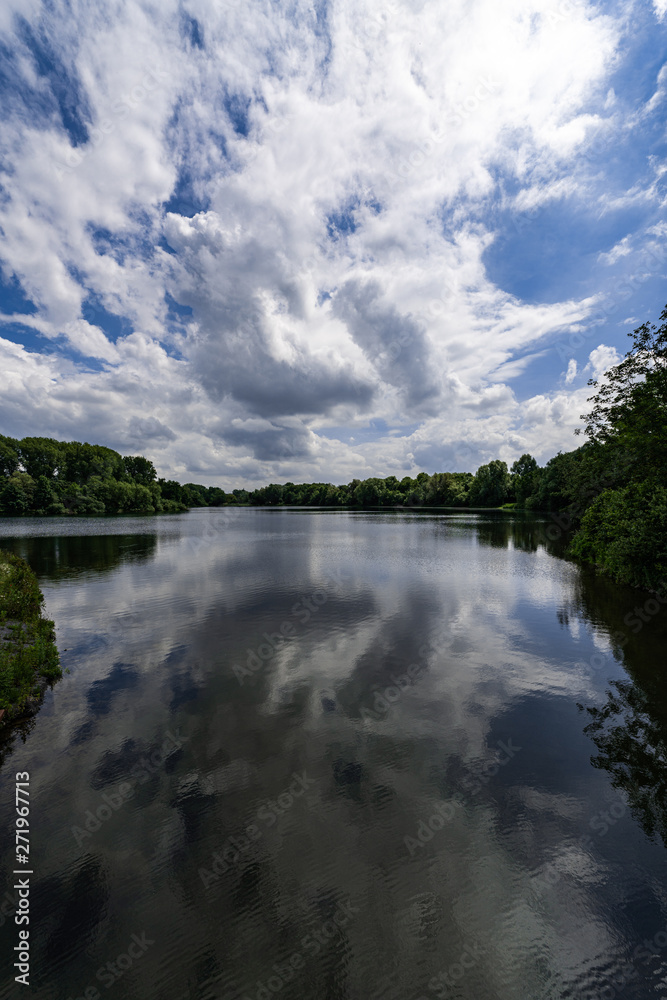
(339, 755)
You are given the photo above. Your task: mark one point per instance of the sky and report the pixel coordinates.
(260, 241)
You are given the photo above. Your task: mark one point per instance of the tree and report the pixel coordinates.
(40, 456)
(80, 500)
(43, 496)
(333, 497)
(271, 495)
(524, 477)
(448, 489)
(629, 414)
(491, 486)
(554, 483)
(85, 460)
(9, 459)
(413, 498)
(409, 492)
(371, 493)
(14, 499)
(47, 477)
(140, 469)
(624, 533)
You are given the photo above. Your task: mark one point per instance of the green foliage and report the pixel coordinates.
(78, 500)
(630, 407)
(445, 488)
(271, 494)
(14, 500)
(82, 461)
(449, 489)
(43, 498)
(140, 469)
(193, 495)
(372, 493)
(619, 483)
(491, 486)
(40, 476)
(9, 457)
(524, 479)
(624, 533)
(119, 497)
(553, 489)
(41, 457)
(27, 646)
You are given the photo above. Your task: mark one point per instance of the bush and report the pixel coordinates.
(624, 534)
(27, 648)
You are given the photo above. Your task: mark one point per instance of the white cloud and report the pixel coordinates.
(333, 257)
(621, 249)
(571, 371)
(601, 359)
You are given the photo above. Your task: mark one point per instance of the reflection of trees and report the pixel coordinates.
(55, 557)
(525, 531)
(527, 534)
(64, 556)
(630, 732)
(496, 532)
(10, 734)
(630, 729)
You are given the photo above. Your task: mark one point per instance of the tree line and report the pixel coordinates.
(44, 477)
(613, 488)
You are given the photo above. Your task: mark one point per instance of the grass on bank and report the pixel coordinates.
(28, 653)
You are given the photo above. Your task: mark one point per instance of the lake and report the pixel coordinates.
(332, 754)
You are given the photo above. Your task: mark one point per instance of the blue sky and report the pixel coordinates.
(265, 241)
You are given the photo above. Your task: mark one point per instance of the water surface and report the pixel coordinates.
(324, 755)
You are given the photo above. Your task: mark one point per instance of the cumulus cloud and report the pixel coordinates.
(142, 429)
(396, 345)
(601, 359)
(247, 236)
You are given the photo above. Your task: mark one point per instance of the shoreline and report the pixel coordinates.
(29, 659)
